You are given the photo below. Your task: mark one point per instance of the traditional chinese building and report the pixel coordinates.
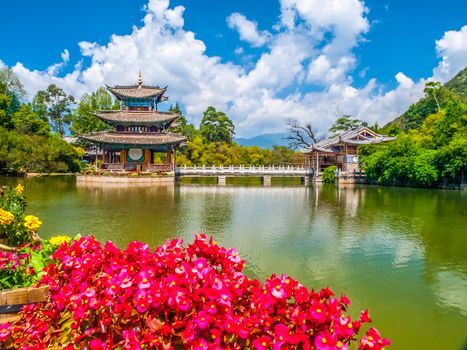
(341, 150)
(140, 131)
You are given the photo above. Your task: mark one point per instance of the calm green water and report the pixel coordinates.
(400, 252)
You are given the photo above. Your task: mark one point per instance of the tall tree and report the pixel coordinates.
(13, 88)
(431, 89)
(300, 135)
(216, 126)
(344, 123)
(181, 125)
(58, 105)
(11, 95)
(83, 120)
(26, 121)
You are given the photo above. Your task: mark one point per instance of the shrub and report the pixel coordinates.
(24, 267)
(329, 174)
(15, 227)
(193, 297)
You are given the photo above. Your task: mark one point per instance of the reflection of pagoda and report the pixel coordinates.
(140, 130)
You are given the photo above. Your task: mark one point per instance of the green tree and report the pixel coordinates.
(83, 121)
(181, 125)
(13, 88)
(5, 118)
(346, 122)
(58, 105)
(26, 121)
(216, 126)
(431, 89)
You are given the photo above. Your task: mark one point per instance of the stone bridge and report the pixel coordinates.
(265, 172)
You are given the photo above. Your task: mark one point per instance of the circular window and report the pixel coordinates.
(135, 153)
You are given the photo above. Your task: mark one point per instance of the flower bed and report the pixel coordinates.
(193, 297)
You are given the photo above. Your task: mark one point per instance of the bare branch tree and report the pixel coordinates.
(300, 136)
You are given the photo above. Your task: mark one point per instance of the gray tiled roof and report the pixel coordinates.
(136, 91)
(135, 138)
(352, 137)
(137, 117)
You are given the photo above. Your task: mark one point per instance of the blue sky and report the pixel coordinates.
(264, 62)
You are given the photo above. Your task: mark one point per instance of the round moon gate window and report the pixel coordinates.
(135, 154)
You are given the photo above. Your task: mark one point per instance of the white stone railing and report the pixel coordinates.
(244, 170)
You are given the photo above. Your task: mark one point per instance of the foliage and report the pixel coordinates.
(329, 174)
(58, 106)
(181, 126)
(437, 97)
(15, 227)
(344, 123)
(24, 267)
(11, 94)
(35, 153)
(25, 121)
(216, 126)
(436, 151)
(193, 297)
(200, 152)
(83, 121)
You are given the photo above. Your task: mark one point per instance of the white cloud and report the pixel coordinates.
(312, 46)
(65, 56)
(239, 51)
(248, 30)
(452, 48)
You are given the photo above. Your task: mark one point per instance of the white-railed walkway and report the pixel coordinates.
(265, 172)
(242, 170)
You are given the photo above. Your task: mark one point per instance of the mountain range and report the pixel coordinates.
(264, 140)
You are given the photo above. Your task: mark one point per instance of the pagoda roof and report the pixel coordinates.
(122, 138)
(138, 117)
(136, 91)
(361, 135)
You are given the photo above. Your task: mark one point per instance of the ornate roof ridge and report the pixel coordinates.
(135, 86)
(117, 111)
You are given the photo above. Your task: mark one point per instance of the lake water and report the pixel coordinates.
(401, 252)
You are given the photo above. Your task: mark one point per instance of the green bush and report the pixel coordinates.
(15, 227)
(329, 175)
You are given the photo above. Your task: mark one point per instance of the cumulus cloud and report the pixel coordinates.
(248, 30)
(311, 46)
(452, 48)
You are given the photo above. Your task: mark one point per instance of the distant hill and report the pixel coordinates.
(456, 88)
(264, 140)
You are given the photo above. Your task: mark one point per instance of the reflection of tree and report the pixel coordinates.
(432, 218)
(126, 213)
(216, 212)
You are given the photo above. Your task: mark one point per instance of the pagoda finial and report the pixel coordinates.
(140, 80)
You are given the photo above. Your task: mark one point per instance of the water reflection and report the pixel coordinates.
(398, 251)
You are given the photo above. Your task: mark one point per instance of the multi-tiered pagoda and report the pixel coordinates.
(140, 131)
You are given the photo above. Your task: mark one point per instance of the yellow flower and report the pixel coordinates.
(19, 188)
(32, 222)
(59, 240)
(6, 217)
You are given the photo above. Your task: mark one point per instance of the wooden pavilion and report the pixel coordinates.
(341, 150)
(140, 131)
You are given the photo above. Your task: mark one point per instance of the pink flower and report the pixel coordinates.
(4, 331)
(262, 343)
(372, 340)
(96, 344)
(325, 341)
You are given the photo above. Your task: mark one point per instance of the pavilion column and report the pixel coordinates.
(317, 162)
(147, 156)
(122, 156)
(169, 157)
